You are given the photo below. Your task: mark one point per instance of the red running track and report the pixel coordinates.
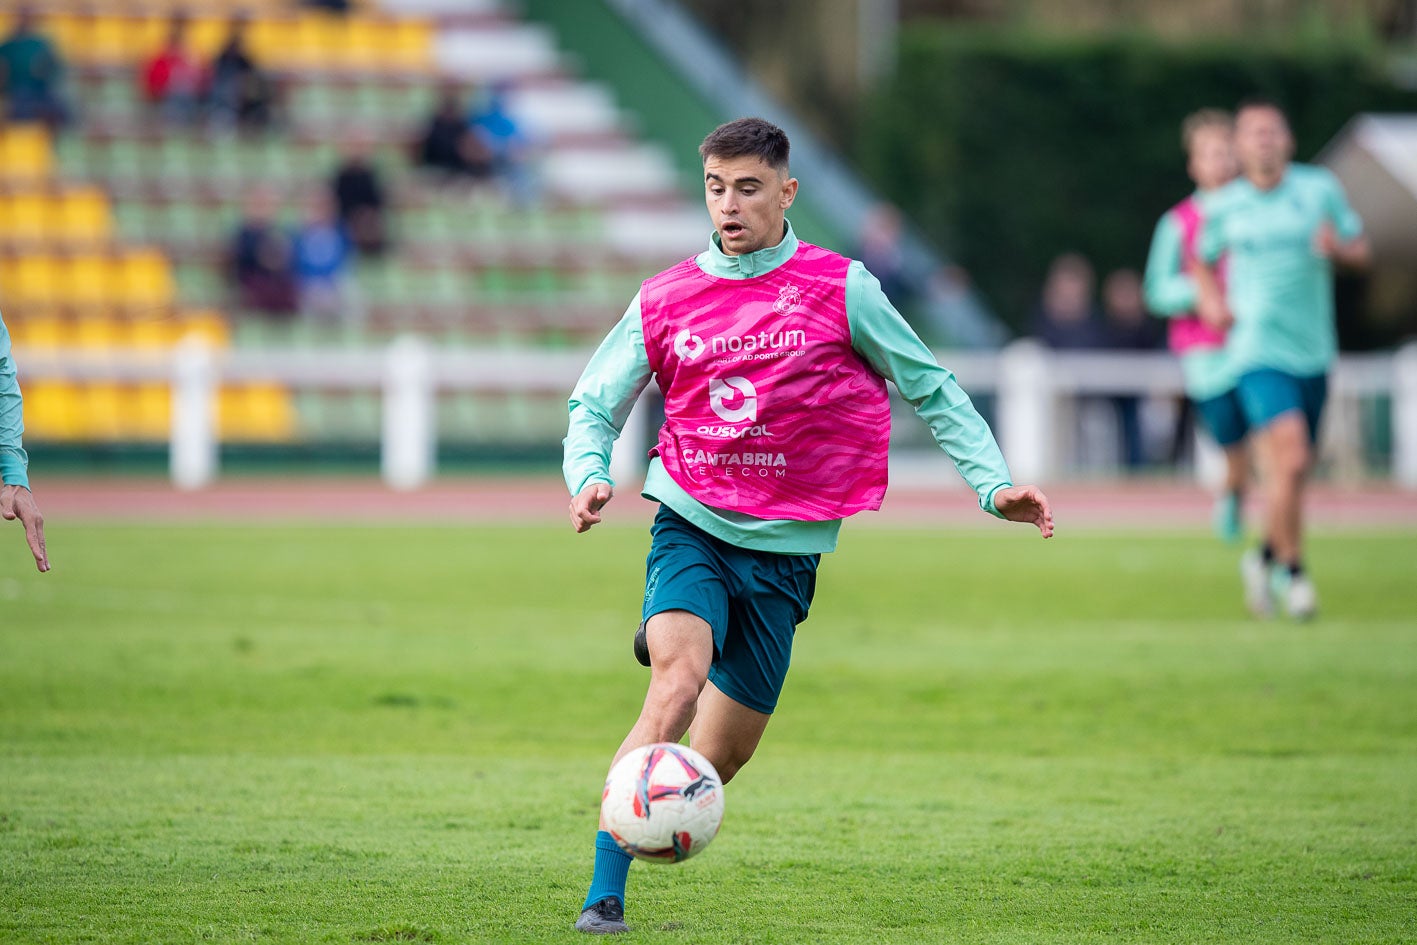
(543, 499)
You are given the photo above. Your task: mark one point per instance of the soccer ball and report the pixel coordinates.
(662, 803)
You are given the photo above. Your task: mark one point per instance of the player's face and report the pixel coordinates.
(1262, 140)
(1212, 162)
(747, 201)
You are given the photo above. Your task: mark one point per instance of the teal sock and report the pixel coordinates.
(612, 865)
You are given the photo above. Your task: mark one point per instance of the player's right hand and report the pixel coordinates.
(586, 506)
(16, 502)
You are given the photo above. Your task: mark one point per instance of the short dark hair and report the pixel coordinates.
(748, 137)
(1260, 101)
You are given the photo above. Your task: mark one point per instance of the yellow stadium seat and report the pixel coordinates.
(98, 333)
(27, 217)
(149, 412)
(207, 34)
(90, 282)
(151, 333)
(362, 48)
(207, 324)
(26, 153)
(84, 218)
(256, 412)
(102, 405)
(32, 281)
(40, 331)
(408, 44)
(101, 39)
(53, 410)
(146, 282)
(68, 32)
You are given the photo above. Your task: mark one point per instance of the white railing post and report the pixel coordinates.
(1404, 416)
(408, 444)
(629, 457)
(1026, 405)
(193, 452)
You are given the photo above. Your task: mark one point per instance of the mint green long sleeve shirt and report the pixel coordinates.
(619, 371)
(14, 464)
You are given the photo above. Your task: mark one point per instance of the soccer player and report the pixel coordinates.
(1282, 227)
(1171, 294)
(772, 355)
(16, 502)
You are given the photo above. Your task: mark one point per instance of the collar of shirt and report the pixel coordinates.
(716, 262)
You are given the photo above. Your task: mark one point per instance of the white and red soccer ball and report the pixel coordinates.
(663, 803)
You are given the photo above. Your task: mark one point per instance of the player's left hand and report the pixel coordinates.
(1025, 504)
(16, 502)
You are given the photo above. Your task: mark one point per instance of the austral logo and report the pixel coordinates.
(788, 299)
(688, 345)
(722, 391)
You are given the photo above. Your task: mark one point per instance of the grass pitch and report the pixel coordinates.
(345, 734)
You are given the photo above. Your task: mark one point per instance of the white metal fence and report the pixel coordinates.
(1032, 386)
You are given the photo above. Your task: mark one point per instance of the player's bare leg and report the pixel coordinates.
(1285, 457)
(726, 731)
(1228, 518)
(681, 649)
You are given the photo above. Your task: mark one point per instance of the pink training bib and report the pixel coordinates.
(768, 410)
(1190, 332)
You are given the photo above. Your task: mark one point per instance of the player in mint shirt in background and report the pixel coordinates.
(1171, 294)
(772, 356)
(16, 501)
(1282, 227)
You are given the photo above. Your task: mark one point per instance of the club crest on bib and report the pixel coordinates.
(788, 299)
(688, 345)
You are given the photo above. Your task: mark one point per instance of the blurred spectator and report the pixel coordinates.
(448, 144)
(333, 6)
(510, 147)
(880, 251)
(172, 78)
(359, 198)
(320, 260)
(1066, 317)
(1128, 328)
(260, 258)
(241, 94)
(30, 74)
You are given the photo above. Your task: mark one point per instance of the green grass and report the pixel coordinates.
(253, 734)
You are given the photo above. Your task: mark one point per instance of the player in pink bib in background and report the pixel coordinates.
(1171, 293)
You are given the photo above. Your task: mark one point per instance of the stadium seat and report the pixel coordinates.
(53, 411)
(256, 412)
(145, 281)
(102, 411)
(31, 281)
(148, 413)
(26, 153)
(89, 282)
(207, 324)
(26, 218)
(98, 333)
(84, 218)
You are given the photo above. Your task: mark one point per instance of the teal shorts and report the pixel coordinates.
(1267, 393)
(1224, 417)
(752, 601)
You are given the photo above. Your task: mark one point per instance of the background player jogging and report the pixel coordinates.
(772, 355)
(1171, 293)
(1281, 226)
